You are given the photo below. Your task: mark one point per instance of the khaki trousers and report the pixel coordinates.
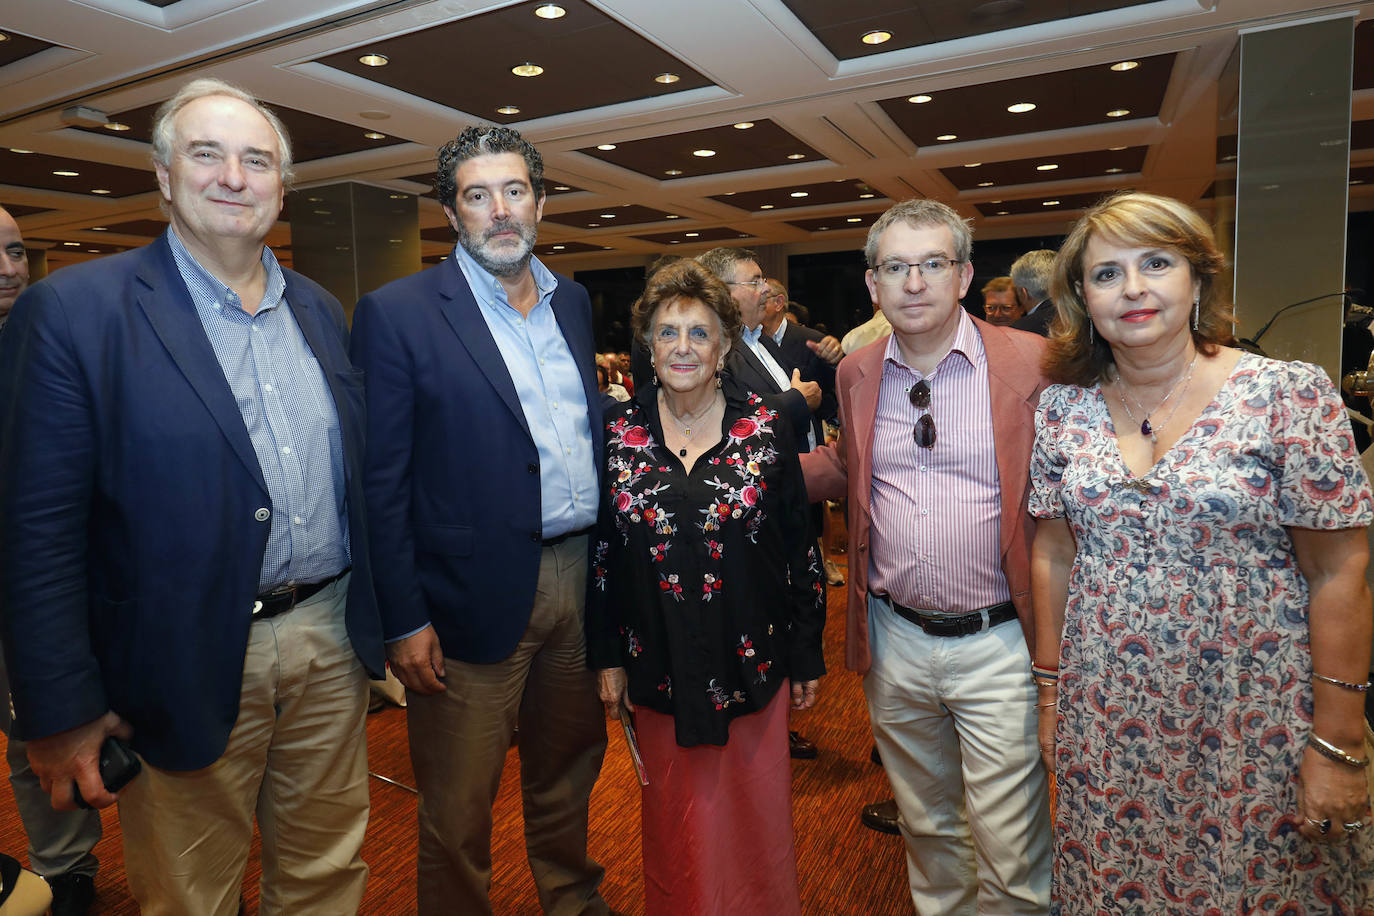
(297, 758)
(458, 744)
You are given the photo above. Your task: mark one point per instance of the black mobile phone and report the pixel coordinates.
(118, 766)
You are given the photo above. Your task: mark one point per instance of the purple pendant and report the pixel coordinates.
(1145, 428)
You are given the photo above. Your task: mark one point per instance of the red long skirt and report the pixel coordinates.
(718, 820)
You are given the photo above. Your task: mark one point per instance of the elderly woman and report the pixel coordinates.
(707, 598)
(1202, 617)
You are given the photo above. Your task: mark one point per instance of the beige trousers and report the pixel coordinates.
(297, 758)
(458, 744)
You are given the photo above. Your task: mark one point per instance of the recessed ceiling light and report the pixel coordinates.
(608, 216)
(373, 114)
(674, 241)
(65, 173)
(1357, 181)
(876, 37)
(398, 196)
(22, 152)
(561, 187)
(1021, 107)
(1229, 157)
(1124, 65)
(605, 147)
(72, 244)
(765, 206)
(667, 78)
(93, 250)
(1116, 149)
(374, 60)
(673, 216)
(508, 110)
(743, 125)
(985, 184)
(1114, 170)
(972, 165)
(4, 37)
(607, 248)
(855, 219)
(374, 135)
(1049, 203)
(1269, 187)
(795, 156)
(1047, 167)
(691, 235)
(672, 173)
(919, 99)
(866, 195)
(1003, 212)
(994, 201)
(703, 153)
(100, 228)
(947, 137)
(593, 225)
(1118, 112)
(730, 193)
(116, 126)
(550, 11)
(99, 191)
(800, 194)
(559, 247)
(822, 228)
(527, 69)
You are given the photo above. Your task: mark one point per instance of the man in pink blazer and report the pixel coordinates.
(938, 425)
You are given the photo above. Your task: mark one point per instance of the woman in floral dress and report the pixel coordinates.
(1198, 581)
(707, 598)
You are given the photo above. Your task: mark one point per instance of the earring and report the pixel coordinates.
(653, 373)
(1091, 339)
(1196, 301)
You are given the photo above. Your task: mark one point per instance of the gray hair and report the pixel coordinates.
(484, 140)
(720, 260)
(921, 212)
(1032, 272)
(204, 88)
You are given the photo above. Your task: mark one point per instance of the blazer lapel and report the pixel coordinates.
(166, 302)
(1010, 388)
(460, 309)
(863, 411)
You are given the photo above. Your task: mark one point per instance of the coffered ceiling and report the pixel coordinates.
(665, 126)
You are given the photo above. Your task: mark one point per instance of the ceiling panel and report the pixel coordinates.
(841, 190)
(14, 46)
(835, 223)
(1059, 203)
(605, 217)
(557, 248)
(589, 60)
(37, 170)
(1093, 164)
(696, 236)
(731, 147)
(841, 27)
(18, 210)
(1079, 97)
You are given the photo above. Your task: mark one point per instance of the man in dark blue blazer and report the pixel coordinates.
(180, 506)
(484, 440)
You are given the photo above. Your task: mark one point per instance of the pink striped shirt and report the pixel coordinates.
(937, 512)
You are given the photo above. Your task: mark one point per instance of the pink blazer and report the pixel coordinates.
(1015, 381)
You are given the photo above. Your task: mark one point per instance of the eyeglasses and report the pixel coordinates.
(895, 273)
(752, 284)
(924, 433)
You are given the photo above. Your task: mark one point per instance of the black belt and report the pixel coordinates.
(961, 625)
(281, 600)
(555, 541)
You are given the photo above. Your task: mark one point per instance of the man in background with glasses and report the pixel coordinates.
(939, 422)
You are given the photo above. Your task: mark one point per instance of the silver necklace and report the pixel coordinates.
(1146, 428)
(684, 428)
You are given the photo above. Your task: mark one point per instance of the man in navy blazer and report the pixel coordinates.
(484, 440)
(180, 506)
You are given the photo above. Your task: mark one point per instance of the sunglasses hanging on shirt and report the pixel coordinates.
(924, 432)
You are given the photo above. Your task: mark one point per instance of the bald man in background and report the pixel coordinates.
(60, 842)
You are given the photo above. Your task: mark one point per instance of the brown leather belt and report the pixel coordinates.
(280, 600)
(984, 618)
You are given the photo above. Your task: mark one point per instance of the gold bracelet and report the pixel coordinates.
(1360, 688)
(1333, 753)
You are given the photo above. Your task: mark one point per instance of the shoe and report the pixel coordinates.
(800, 748)
(882, 817)
(72, 894)
(833, 574)
(875, 756)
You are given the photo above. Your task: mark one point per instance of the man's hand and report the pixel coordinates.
(611, 683)
(827, 348)
(75, 755)
(418, 661)
(809, 390)
(804, 694)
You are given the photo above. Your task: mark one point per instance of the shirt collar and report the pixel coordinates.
(782, 330)
(188, 265)
(751, 335)
(967, 343)
(480, 280)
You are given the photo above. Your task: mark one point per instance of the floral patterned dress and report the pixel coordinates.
(706, 586)
(1185, 670)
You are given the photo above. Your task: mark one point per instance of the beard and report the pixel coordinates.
(505, 260)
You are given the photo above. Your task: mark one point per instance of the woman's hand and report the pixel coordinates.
(611, 685)
(804, 694)
(1332, 791)
(1048, 715)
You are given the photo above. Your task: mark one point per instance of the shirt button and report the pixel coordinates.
(286, 449)
(554, 405)
(534, 536)
(925, 511)
(266, 387)
(298, 520)
(533, 468)
(263, 514)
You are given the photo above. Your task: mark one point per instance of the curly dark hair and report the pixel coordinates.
(1077, 357)
(481, 141)
(685, 280)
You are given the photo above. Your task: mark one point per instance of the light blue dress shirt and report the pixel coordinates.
(290, 417)
(551, 394)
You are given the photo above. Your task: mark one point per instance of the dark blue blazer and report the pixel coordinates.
(130, 542)
(452, 471)
(793, 353)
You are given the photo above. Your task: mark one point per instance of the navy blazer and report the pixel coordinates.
(131, 522)
(793, 353)
(452, 476)
(744, 373)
